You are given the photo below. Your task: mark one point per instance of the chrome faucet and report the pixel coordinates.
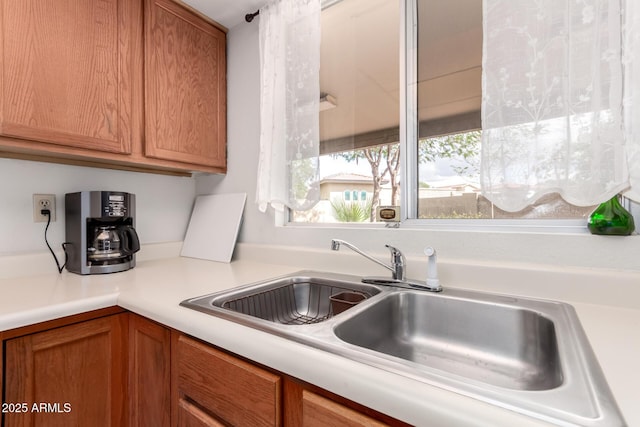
(397, 268)
(397, 259)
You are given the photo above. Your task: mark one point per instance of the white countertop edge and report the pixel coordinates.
(56, 311)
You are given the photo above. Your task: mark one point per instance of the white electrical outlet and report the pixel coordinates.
(44, 201)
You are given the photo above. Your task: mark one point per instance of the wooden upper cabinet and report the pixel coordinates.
(185, 86)
(67, 72)
(125, 84)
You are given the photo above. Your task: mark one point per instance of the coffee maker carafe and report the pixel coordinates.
(100, 233)
(112, 242)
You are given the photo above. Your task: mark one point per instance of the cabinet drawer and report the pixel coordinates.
(318, 411)
(189, 415)
(228, 388)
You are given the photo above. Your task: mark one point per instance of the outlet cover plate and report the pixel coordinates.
(44, 201)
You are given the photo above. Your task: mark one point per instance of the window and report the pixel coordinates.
(361, 104)
(360, 107)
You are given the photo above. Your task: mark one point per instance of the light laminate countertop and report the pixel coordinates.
(155, 287)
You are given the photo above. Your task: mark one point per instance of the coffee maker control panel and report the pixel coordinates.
(114, 205)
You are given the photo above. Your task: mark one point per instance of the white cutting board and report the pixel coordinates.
(213, 228)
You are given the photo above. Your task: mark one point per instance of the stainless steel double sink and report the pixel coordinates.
(526, 355)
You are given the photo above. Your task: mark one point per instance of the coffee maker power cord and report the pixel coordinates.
(47, 212)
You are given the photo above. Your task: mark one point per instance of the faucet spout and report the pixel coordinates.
(335, 246)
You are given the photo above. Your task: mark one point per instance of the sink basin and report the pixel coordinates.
(292, 300)
(526, 355)
(498, 344)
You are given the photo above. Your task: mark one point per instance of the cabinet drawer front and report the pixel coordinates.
(235, 391)
(318, 411)
(189, 415)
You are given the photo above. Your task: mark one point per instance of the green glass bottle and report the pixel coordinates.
(610, 218)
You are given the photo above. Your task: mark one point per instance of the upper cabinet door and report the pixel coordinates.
(67, 75)
(185, 86)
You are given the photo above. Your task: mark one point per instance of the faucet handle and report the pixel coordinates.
(397, 261)
(395, 252)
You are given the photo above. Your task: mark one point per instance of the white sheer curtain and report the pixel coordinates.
(552, 101)
(631, 64)
(289, 100)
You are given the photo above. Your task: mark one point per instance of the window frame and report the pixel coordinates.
(408, 132)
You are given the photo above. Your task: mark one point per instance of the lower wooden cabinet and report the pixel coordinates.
(149, 373)
(113, 368)
(68, 376)
(211, 387)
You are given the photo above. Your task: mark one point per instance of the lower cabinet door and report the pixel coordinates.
(69, 376)
(149, 373)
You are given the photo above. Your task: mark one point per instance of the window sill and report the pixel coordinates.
(554, 227)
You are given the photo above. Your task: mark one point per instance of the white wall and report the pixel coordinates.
(163, 203)
(504, 247)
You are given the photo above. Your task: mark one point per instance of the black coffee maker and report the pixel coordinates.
(100, 233)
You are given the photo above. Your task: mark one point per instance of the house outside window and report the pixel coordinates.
(345, 192)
